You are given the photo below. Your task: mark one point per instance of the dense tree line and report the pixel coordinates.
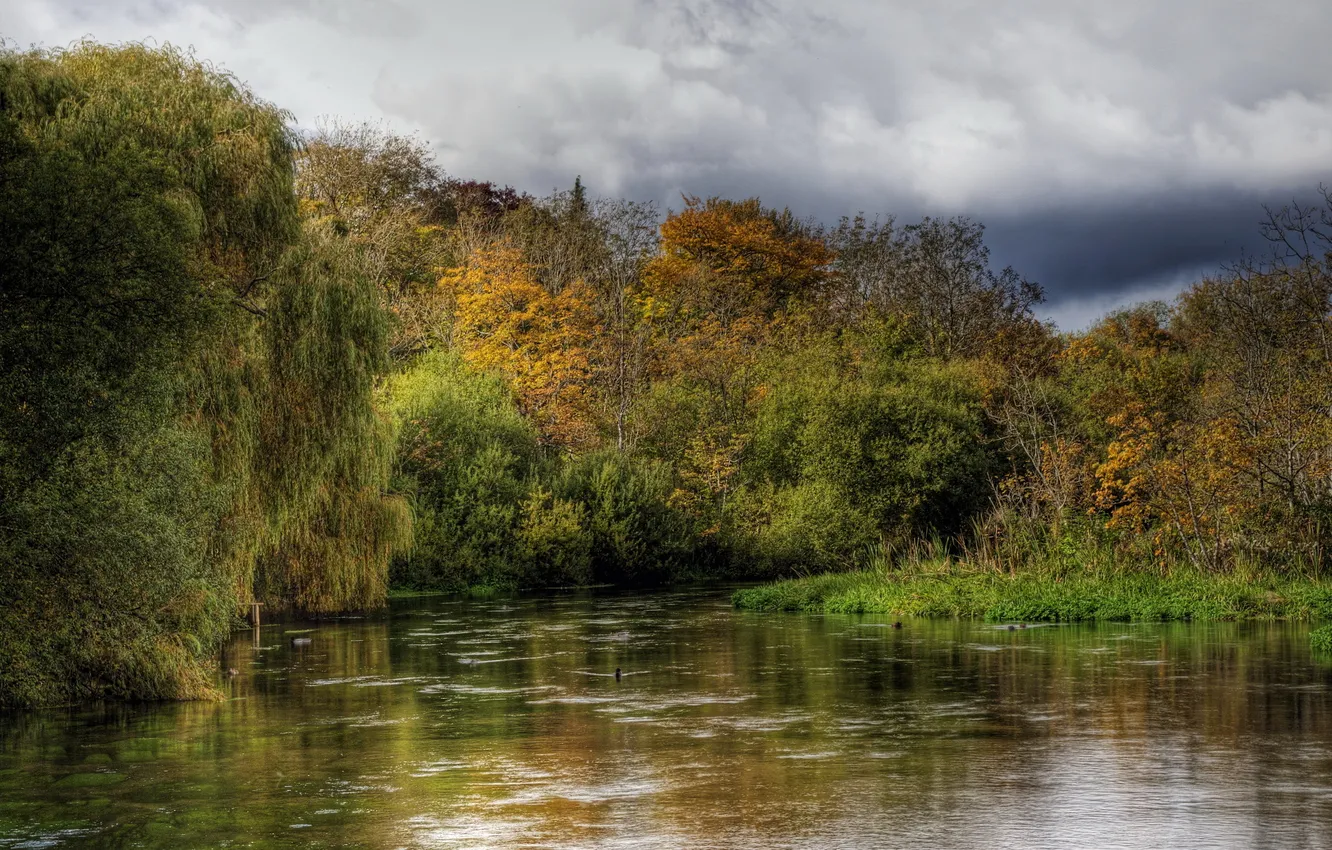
(237, 364)
(804, 397)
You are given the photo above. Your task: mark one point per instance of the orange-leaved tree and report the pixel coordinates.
(543, 345)
(728, 259)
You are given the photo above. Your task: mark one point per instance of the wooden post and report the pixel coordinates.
(254, 621)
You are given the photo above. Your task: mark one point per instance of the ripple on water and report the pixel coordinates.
(581, 789)
(505, 659)
(368, 681)
(469, 830)
(479, 690)
(435, 768)
(760, 723)
(580, 699)
(55, 838)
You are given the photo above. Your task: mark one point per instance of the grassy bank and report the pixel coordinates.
(958, 592)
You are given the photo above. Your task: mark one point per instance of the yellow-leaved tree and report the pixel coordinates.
(543, 345)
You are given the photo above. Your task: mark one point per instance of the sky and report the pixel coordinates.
(1115, 151)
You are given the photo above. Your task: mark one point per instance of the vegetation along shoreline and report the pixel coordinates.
(247, 362)
(1000, 597)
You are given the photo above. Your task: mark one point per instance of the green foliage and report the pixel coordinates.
(850, 448)
(326, 450)
(105, 581)
(188, 379)
(493, 510)
(1321, 639)
(107, 589)
(634, 534)
(552, 541)
(465, 455)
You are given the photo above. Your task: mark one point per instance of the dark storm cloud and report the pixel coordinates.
(1112, 148)
(1090, 250)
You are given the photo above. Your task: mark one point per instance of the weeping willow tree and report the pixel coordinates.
(186, 377)
(326, 452)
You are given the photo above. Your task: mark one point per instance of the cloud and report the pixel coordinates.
(1109, 146)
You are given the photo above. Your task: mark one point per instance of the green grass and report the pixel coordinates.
(958, 592)
(1321, 638)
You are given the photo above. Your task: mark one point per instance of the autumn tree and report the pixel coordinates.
(726, 281)
(726, 260)
(542, 343)
(726, 272)
(1263, 332)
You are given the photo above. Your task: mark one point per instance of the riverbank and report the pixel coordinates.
(997, 597)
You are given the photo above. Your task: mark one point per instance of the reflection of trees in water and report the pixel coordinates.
(504, 715)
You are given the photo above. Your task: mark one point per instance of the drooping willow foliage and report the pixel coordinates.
(326, 450)
(186, 375)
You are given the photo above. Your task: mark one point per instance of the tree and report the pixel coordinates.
(629, 233)
(383, 191)
(886, 449)
(559, 237)
(937, 275)
(190, 378)
(729, 259)
(1262, 333)
(541, 343)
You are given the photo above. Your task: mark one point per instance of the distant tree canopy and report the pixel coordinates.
(936, 275)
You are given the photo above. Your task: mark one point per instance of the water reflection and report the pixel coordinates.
(452, 724)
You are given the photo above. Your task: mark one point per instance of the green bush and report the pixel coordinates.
(846, 454)
(494, 509)
(1321, 639)
(635, 536)
(466, 460)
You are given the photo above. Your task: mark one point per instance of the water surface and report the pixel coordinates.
(459, 724)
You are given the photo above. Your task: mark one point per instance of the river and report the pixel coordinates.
(468, 724)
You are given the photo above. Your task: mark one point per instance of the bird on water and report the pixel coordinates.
(617, 674)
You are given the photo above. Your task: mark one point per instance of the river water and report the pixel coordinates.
(467, 724)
